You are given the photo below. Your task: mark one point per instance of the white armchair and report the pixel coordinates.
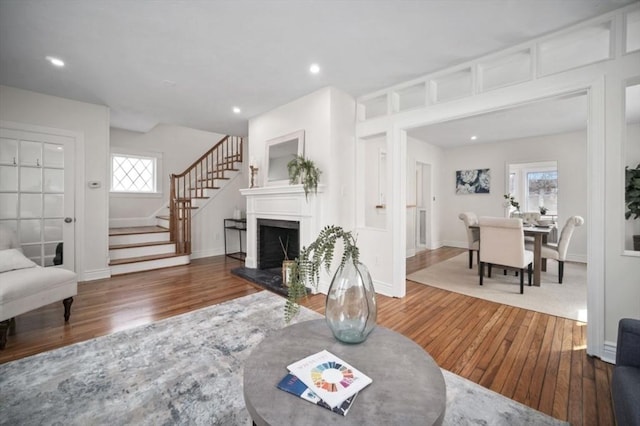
(24, 286)
(559, 251)
(502, 243)
(473, 235)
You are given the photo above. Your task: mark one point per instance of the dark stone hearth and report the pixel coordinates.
(271, 279)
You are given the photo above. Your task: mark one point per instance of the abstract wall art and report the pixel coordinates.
(476, 181)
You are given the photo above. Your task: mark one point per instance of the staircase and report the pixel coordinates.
(168, 243)
(142, 249)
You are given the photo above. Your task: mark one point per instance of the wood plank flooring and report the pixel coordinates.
(536, 359)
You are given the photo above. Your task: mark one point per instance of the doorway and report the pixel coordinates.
(423, 206)
(37, 193)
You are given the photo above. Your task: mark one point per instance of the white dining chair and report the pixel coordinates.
(502, 243)
(473, 235)
(558, 251)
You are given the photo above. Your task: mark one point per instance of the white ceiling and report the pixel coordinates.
(547, 117)
(189, 62)
(551, 116)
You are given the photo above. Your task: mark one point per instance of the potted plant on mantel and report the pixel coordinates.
(350, 307)
(304, 171)
(632, 198)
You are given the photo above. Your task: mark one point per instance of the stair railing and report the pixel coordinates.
(193, 182)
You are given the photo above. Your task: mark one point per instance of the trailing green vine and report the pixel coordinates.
(306, 268)
(302, 170)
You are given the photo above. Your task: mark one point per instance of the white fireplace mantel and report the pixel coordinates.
(282, 203)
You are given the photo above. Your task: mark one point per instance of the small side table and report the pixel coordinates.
(408, 386)
(238, 225)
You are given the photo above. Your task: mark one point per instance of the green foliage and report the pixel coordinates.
(303, 170)
(632, 192)
(306, 268)
(510, 200)
(543, 210)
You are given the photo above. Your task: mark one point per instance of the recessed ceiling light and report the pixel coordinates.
(55, 61)
(237, 110)
(314, 69)
(473, 138)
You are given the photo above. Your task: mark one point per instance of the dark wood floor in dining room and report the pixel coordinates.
(536, 359)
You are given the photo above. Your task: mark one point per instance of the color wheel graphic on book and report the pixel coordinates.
(331, 376)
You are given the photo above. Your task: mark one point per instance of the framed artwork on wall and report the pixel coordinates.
(476, 181)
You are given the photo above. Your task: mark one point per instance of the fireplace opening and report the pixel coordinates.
(269, 234)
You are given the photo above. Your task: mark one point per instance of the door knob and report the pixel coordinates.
(68, 220)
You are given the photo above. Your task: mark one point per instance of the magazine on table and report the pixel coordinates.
(292, 384)
(329, 377)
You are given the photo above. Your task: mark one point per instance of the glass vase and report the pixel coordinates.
(350, 308)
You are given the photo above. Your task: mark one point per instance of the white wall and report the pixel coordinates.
(92, 121)
(374, 183)
(208, 221)
(179, 146)
(568, 149)
(341, 177)
(327, 118)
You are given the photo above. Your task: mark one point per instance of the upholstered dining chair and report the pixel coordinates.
(473, 235)
(530, 217)
(558, 251)
(502, 243)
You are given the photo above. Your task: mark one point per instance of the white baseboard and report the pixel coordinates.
(96, 274)
(458, 244)
(383, 288)
(435, 245)
(579, 258)
(207, 253)
(609, 352)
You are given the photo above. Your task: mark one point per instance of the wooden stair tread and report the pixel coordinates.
(133, 245)
(144, 258)
(163, 217)
(134, 230)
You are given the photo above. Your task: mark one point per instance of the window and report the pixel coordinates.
(535, 185)
(542, 190)
(133, 173)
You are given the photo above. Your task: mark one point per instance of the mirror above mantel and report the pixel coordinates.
(278, 152)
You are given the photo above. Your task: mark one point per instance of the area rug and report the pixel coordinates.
(567, 300)
(187, 370)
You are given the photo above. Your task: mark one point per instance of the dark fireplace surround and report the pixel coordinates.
(269, 234)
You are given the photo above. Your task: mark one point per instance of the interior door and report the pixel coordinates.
(37, 194)
(423, 197)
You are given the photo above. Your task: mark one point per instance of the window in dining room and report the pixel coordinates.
(535, 186)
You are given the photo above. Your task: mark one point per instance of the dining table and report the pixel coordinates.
(540, 235)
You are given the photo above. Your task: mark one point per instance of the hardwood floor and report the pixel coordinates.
(536, 359)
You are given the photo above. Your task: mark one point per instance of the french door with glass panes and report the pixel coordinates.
(37, 194)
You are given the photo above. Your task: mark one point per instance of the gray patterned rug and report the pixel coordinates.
(186, 370)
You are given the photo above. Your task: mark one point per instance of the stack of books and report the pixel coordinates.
(325, 380)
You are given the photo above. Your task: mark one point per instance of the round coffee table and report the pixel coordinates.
(408, 387)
